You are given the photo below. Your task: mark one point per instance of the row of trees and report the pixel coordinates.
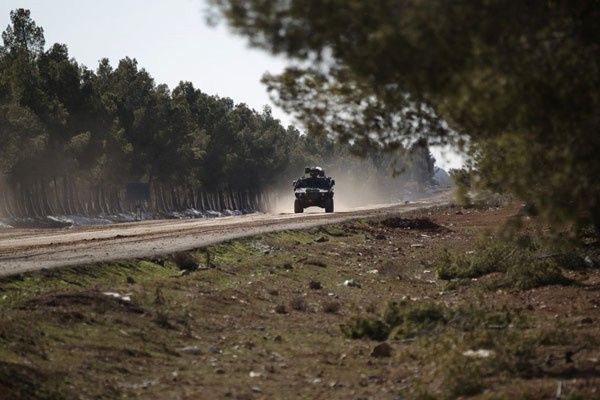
(72, 138)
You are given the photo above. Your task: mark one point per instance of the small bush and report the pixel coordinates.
(463, 377)
(524, 262)
(280, 309)
(530, 276)
(409, 319)
(298, 304)
(185, 261)
(489, 257)
(391, 268)
(399, 320)
(331, 307)
(470, 318)
(359, 328)
(412, 319)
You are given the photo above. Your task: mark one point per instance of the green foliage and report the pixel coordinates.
(372, 328)
(464, 377)
(68, 132)
(462, 184)
(532, 275)
(407, 319)
(524, 263)
(516, 81)
(403, 319)
(23, 36)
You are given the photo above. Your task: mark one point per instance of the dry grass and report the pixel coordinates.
(252, 328)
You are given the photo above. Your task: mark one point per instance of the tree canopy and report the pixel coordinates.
(71, 138)
(519, 80)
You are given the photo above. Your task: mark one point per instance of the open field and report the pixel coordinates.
(303, 314)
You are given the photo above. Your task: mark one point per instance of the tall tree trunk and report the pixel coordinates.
(8, 212)
(203, 199)
(232, 199)
(32, 200)
(20, 206)
(174, 199)
(48, 209)
(59, 204)
(212, 201)
(78, 205)
(194, 205)
(162, 200)
(69, 195)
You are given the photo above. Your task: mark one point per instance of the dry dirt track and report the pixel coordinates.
(23, 250)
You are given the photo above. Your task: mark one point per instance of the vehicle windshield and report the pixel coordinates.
(314, 182)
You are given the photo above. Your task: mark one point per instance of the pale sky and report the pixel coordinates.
(169, 38)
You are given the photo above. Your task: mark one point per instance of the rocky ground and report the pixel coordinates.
(355, 310)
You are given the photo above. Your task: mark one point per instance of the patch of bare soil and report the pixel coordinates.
(273, 316)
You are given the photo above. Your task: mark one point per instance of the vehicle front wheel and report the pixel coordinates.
(298, 206)
(329, 205)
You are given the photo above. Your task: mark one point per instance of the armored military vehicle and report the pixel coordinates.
(313, 190)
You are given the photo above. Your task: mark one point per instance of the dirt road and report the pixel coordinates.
(23, 250)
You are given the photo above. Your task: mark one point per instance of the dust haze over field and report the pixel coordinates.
(353, 188)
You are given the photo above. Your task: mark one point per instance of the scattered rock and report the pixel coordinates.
(407, 223)
(280, 309)
(569, 356)
(322, 239)
(316, 263)
(352, 283)
(124, 297)
(380, 237)
(382, 350)
(136, 310)
(192, 350)
(481, 353)
(315, 285)
(158, 260)
(417, 246)
(253, 374)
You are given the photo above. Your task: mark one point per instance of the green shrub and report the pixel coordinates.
(359, 328)
(398, 320)
(524, 262)
(530, 276)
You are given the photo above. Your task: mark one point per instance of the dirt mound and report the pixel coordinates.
(19, 381)
(97, 302)
(411, 223)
